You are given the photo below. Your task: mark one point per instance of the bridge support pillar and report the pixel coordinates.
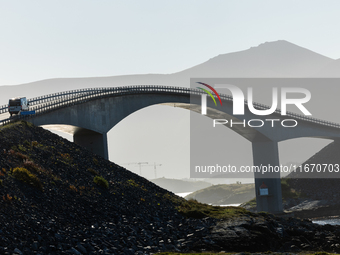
(266, 154)
(93, 141)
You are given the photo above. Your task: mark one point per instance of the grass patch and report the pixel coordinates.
(22, 174)
(194, 209)
(99, 180)
(92, 171)
(132, 183)
(22, 148)
(251, 203)
(95, 161)
(8, 125)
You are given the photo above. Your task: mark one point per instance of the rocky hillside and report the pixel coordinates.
(57, 197)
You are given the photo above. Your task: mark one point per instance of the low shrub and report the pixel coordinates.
(21, 156)
(95, 161)
(22, 174)
(32, 167)
(92, 171)
(99, 180)
(132, 183)
(66, 157)
(35, 143)
(21, 147)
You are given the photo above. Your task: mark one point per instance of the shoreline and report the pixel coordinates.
(324, 212)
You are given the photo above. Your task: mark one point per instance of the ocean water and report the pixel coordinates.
(334, 221)
(183, 194)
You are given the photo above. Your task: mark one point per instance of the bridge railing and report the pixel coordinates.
(298, 116)
(47, 103)
(54, 101)
(3, 108)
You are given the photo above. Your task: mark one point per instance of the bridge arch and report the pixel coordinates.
(93, 112)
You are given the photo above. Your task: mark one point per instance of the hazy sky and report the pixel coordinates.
(80, 38)
(41, 39)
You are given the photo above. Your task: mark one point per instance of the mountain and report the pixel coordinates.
(270, 59)
(332, 70)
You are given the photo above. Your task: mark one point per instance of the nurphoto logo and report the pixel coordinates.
(239, 99)
(239, 103)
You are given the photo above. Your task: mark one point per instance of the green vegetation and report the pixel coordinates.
(193, 209)
(22, 174)
(95, 161)
(99, 180)
(92, 171)
(8, 125)
(21, 147)
(132, 183)
(35, 143)
(251, 203)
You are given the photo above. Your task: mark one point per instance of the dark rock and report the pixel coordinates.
(73, 215)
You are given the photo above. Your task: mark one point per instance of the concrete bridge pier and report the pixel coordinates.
(266, 153)
(93, 141)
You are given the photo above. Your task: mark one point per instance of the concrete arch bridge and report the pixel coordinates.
(90, 113)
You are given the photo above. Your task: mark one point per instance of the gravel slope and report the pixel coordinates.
(71, 213)
(59, 209)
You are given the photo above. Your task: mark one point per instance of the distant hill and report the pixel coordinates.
(224, 194)
(180, 186)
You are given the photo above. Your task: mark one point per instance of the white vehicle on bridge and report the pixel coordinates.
(17, 104)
